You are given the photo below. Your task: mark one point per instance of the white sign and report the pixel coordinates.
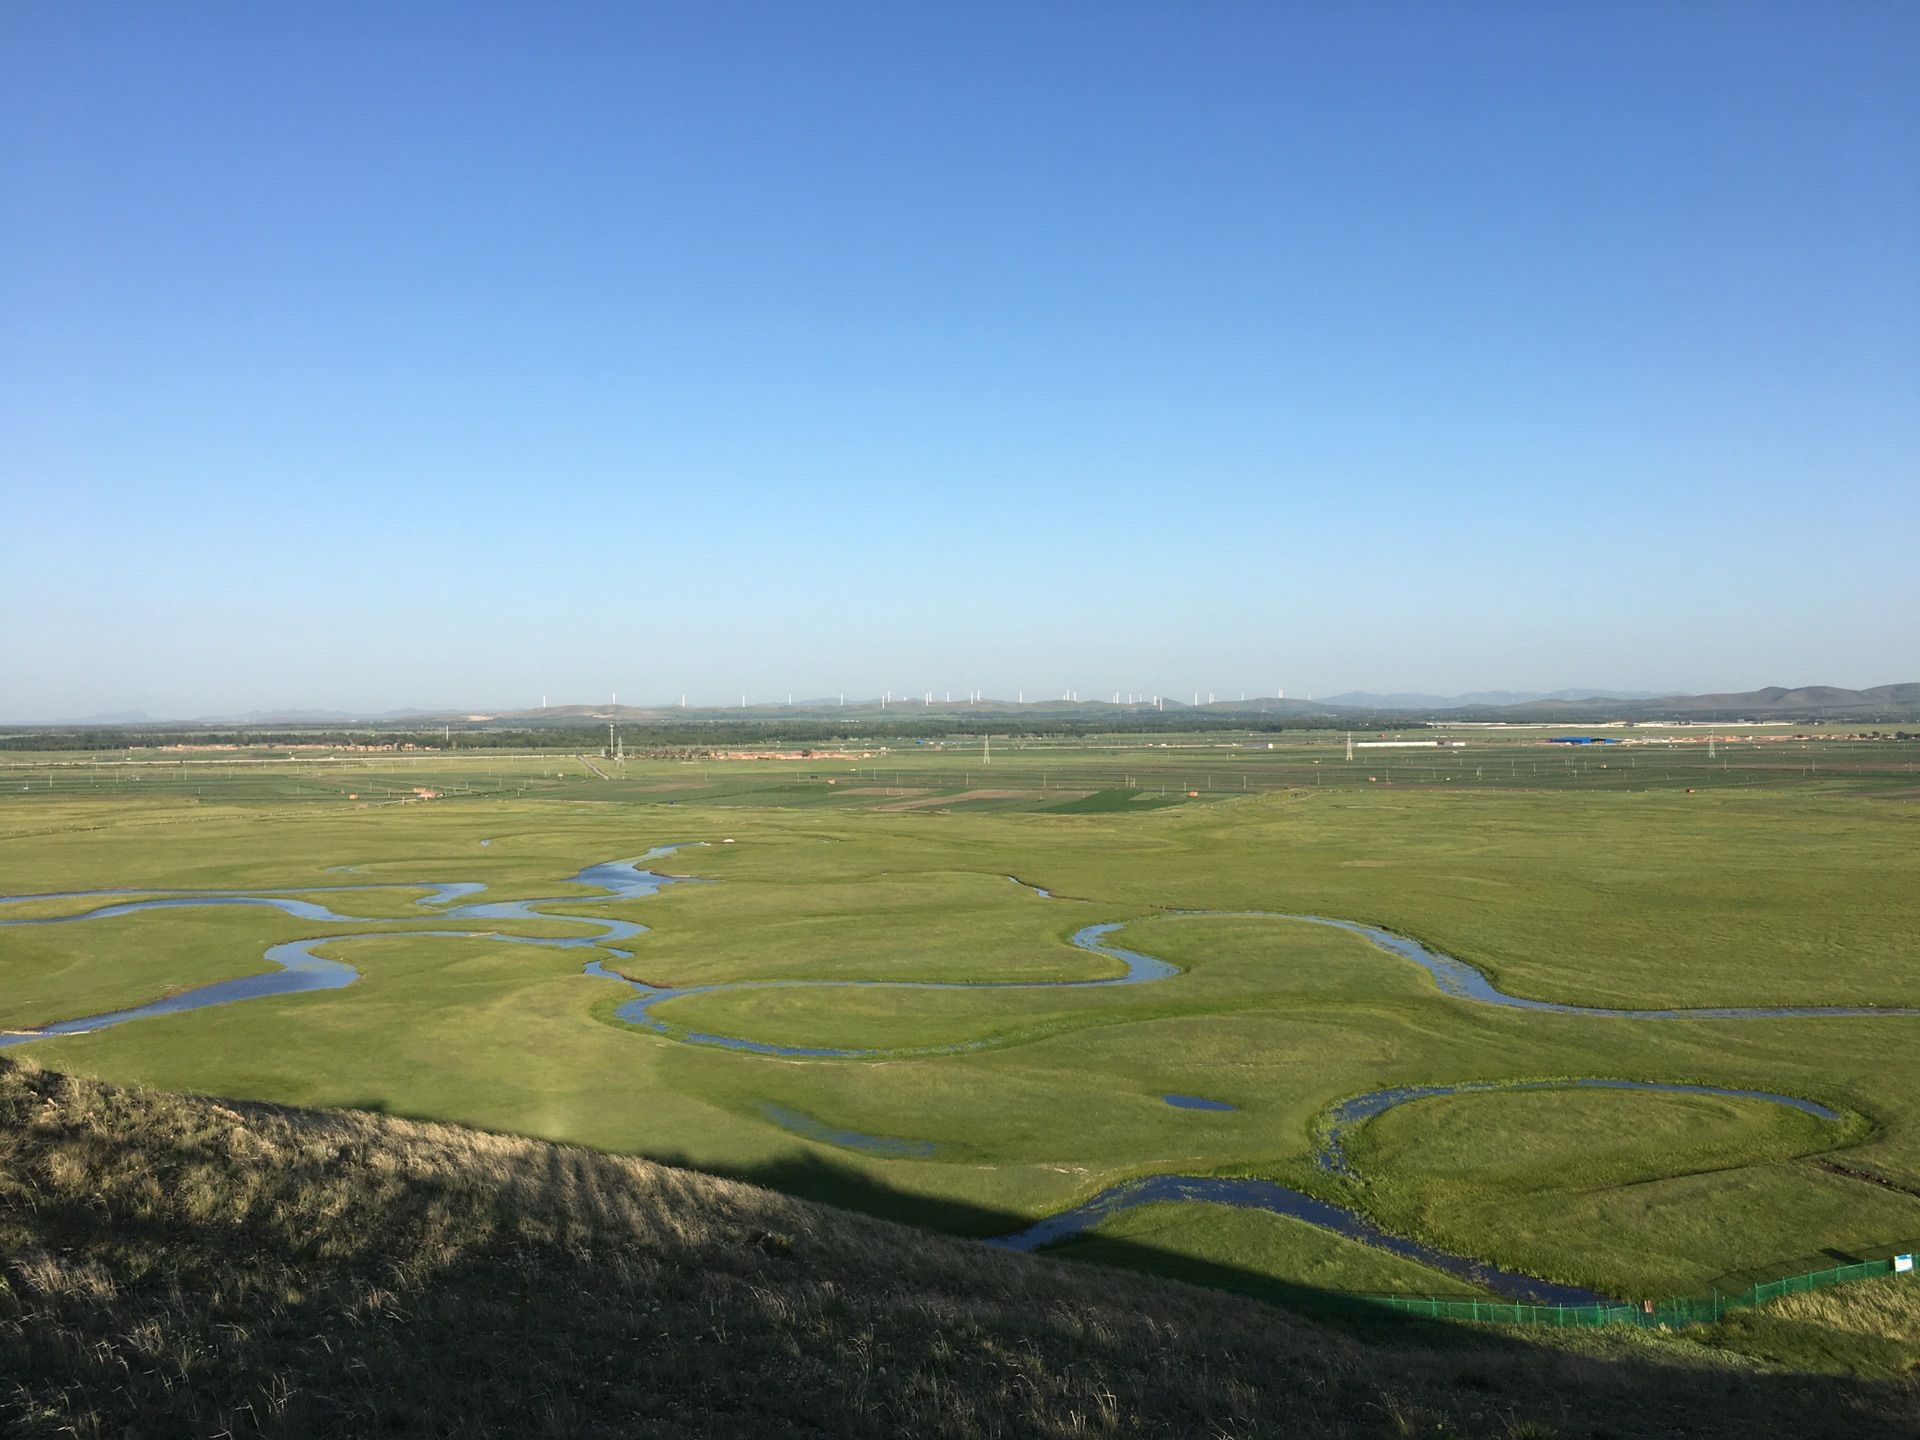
(1902, 1263)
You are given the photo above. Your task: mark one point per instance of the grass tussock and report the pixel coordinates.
(181, 1266)
(1888, 1308)
(1872, 1327)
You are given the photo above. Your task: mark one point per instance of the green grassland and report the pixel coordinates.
(1666, 1193)
(1028, 774)
(1274, 1257)
(44, 976)
(1595, 879)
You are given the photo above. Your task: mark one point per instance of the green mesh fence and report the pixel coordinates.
(1675, 1311)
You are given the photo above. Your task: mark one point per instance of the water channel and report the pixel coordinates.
(299, 969)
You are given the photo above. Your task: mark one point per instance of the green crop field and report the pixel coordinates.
(1641, 876)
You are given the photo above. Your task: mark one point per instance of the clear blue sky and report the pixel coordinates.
(363, 356)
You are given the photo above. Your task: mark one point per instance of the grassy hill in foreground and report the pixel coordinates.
(172, 1266)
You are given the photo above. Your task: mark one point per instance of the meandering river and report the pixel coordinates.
(298, 968)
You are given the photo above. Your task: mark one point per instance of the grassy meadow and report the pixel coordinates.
(1776, 872)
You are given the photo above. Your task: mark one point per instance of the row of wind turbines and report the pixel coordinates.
(888, 699)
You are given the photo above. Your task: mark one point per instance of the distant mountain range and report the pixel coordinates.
(1367, 700)
(1776, 702)
(1779, 701)
(312, 717)
(250, 717)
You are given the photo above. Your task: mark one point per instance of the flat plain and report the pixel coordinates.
(1638, 877)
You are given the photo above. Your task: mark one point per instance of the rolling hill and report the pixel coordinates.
(180, 1266)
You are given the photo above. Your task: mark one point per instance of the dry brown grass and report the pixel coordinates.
(180, 1266)
(1872, 1326)
(1888, 1308)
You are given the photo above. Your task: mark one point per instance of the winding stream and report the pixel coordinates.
(1277, 1199)
(1347, 1116)
(1343, 1118)
(299, 969)
(1462, 981)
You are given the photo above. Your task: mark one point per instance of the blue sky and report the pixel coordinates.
(364, 356)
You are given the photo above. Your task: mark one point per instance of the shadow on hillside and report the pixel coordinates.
(401, 1284)
(1597, 1384)
(819, 1178)
(825, 1181)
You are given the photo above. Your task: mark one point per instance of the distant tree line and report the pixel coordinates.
(689, 734)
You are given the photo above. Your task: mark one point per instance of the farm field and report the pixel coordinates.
(989, 1089)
